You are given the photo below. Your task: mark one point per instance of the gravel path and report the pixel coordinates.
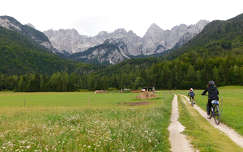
(178, 141)
(231, 133)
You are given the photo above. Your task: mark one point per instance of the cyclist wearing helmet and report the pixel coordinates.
(191, 94)
(212, 94)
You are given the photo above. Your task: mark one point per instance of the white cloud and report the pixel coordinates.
(91, 16)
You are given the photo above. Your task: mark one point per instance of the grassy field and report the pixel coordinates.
(83, 122)
(232, 106)
(203, 136)
(106, 122)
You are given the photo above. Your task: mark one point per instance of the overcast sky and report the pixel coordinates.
(92, 16)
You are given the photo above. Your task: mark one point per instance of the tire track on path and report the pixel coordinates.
(178, 141)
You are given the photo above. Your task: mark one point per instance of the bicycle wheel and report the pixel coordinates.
(211, 113)
(191, 100)
(217, 115)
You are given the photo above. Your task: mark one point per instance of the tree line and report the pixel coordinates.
(189, 70)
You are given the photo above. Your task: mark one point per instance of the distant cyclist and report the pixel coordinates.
(212, 95)
(191, 94)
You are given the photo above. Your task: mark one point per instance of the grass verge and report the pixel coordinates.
(202, 135)
(232, 114)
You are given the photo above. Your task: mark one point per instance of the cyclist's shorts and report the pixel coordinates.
(216, 102)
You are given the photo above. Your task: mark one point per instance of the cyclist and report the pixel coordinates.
(212, 95)
(191, 94)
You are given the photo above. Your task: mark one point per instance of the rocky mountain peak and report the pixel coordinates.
(179, 27)
(120, 31)
(40, 38)
(66, 32)
(168, 39)
(154, 28)
(102, 34)
(201, 24)
(30, 25)
(156, 40)
(131, 32)
(10, 23)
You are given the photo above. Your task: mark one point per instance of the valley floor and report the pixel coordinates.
(112, 121)
(84, 122)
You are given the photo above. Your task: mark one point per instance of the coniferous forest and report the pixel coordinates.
(177, 74)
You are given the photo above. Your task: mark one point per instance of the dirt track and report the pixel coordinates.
(178, 141)
(234, 136)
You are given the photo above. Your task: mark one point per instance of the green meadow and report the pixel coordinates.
(84, 122)
(112, 121)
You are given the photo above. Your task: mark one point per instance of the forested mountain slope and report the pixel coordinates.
(19, 54)
(214, 54)
(218, 38)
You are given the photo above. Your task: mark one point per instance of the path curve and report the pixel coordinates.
(231, 133)
(178, 141)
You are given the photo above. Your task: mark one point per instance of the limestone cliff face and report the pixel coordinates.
(155, 40)
(72, 42)
(168, 39)
(112, 51)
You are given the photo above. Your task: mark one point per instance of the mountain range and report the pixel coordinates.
(216, 50)
(110, 48)
(119, 45)
(216, 53)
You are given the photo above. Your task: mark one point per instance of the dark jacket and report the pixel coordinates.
(191, 94)
(212, 92)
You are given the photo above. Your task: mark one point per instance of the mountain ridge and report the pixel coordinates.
(155, 41)
(28, 30)
(23, 50)
(217, 38)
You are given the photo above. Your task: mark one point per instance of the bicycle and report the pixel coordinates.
(192, 101)
(215, 111)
